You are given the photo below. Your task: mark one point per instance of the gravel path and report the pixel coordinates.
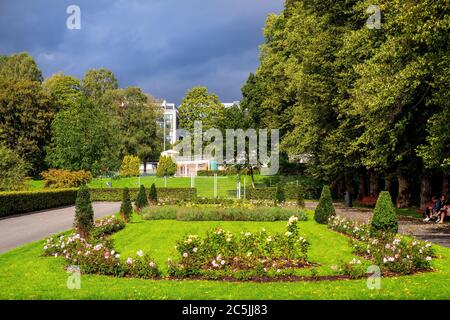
(21, 229)
(436, 233)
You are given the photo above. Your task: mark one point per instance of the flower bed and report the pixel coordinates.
(223, 254)
(237, 212)
(393, 254)
(97, 255)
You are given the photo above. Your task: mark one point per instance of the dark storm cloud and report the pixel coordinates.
(164, 46)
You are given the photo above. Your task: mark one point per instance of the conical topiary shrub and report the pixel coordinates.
(324, 209)
(300, 198)
(126, 208)
(141, 199)
(280, 196)
(153, 196)
(84, 214)
(384, 216)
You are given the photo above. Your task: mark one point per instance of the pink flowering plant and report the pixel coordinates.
(392, 253)
(221, 253)
(107, 226)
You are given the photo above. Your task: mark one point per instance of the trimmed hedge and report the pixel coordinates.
(164, 194)
(269, 193)
(27, 201)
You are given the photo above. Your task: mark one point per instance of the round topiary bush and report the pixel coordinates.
(126, 208)
(153, 196)
(384, 216)
(324, 209)
(84, 214)
(141, 199)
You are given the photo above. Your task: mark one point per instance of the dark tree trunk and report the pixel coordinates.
(446, 185)
(425, 191)
(374, 186)
(388, 183)
(145, 166)
(361, 185)
(253, 176)
(404, 196)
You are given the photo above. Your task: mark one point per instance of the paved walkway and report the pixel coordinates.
(436, 233)
(18, 230)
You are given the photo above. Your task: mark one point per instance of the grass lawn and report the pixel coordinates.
(25, 274)
(226, 186)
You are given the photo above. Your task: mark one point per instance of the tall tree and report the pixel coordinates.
(65, 91)
(84, 138)
(20, 66)
(97, 81)
(26, 113)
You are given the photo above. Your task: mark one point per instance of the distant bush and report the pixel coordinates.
(28, 201)
(58, 178)
(218, 213)
(300, 199)
(141, 199)
(280, 196)
(12, 170)
(166, 195)
(153, 195)
(130, 166)
(166, 167)
(324, 209)
(126, 208)
(384, 215)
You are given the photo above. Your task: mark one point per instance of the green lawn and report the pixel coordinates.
(25, 274)
(226, 186)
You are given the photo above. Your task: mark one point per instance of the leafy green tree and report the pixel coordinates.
(325, 208)
(84, 138)
(384, 216)
(280, 196)
(141, 199)
(26, 113)
(66, 91)
(130, 167)
(166, 167)
(200, 105)
(135, 114)
(126, 208)
(97, 81)
(20, 66)
(153, 195)
(12, 170)
(84, 214)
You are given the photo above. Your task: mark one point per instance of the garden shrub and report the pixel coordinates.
(221, 253)
(166, 167)
(300, 199)
(58, 178)
(141, 199)
(384, 215)
(130, 166)
(12, 170)
(126, 209)
(153, 195)
(324, 209)
(106, 226)
(84, 214)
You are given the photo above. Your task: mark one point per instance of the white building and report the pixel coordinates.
(169, 123)
(230, 104)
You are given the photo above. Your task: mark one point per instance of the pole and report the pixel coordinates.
(244, 185)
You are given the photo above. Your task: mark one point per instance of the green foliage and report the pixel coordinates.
(27, 201)
(84, 138)
(325, 208)
(165, 195)
(97, 81)
(384, 216)
(280, 196)
(166, 167)
(12, 170)
(26, 113)
(84, 214)
(130, 166)
(153, 196)
(141, 199)
(20, 66)
(200, 105)
(65, 91)
(222, 213)
(57, 178)
(300, 197)
(126, 208)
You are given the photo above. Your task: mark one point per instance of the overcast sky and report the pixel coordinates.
(163, 46)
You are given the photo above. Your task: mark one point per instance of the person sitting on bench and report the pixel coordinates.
(432, 209)
(443, 211)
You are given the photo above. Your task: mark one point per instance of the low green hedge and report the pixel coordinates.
(269, 193)
(28, 201)
(164, 194)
